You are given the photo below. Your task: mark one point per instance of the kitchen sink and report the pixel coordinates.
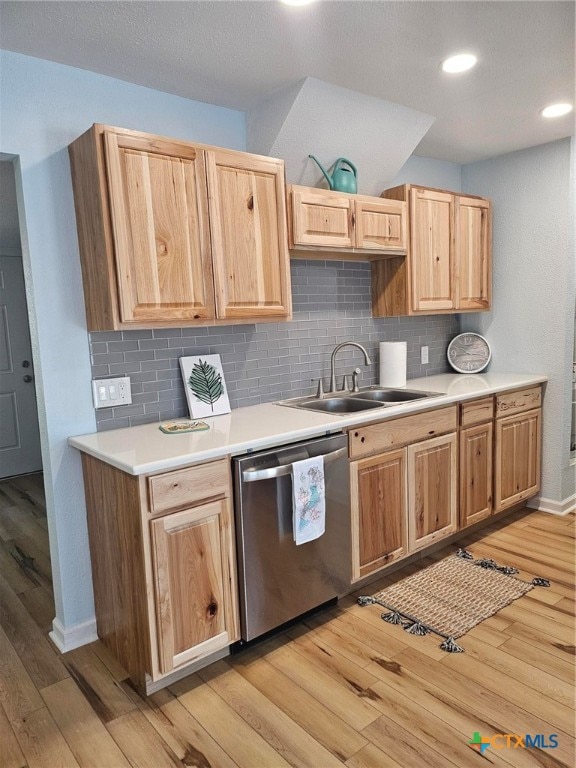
(366, 399)
(390, 395)
(338, 405)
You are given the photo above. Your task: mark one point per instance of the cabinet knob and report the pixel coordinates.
(27, 378)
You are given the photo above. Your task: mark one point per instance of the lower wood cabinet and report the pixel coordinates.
(420, 478)
(379, 512)
(163, 566)
(402, 501)
(517, 460)
(192, 583)
(432, 491)
(476, 459)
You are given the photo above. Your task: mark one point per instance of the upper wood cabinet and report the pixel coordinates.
(345, 225)
(431, 250)
(249, 240)
(173, 233)
(448, 262)
(159, 215)
(473, 247)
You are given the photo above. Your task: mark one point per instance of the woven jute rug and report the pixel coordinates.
(451, 596)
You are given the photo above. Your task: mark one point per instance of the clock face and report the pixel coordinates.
(469, 353)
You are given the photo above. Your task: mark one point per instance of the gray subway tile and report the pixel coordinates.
(105, 336)
(108, 358)
(264, 362)
(137, 334)
(124, 369)
(122, 346)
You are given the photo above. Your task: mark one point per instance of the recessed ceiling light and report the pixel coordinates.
(556, 110)
(297, 2)
(459, 63)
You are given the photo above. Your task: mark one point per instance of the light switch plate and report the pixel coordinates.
(424, 358)
(110, 393)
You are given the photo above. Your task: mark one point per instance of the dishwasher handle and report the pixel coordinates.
(252, 475)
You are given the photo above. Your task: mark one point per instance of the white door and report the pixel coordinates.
(19, 435)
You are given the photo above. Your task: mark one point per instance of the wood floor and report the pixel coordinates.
(344, 689)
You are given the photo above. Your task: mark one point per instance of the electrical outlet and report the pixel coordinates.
(424, 359)
(109, 393)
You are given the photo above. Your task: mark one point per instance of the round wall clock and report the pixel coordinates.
(469, 353)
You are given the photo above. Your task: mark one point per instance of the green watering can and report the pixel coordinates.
(342, 179)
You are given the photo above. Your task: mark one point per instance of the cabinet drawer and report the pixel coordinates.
(185, 487)
(395, 433)
(476, 411)
(509, 403)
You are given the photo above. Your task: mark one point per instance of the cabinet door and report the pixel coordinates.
(475, 473)
(431, 249)
(380, 225)
(473, 249)
(517, 458)
(158, 205)
(194, 572)
(321, 218)
(379, 529)
(432, 503)
(249, 236)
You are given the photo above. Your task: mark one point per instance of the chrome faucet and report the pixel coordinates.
(367, 360)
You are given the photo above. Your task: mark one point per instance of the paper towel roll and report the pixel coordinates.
(392, 363)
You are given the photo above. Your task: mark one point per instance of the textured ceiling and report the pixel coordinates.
(238, 53)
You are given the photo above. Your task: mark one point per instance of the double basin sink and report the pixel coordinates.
(366, 399)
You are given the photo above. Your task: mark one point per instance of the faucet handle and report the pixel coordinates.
(320, 390)
(345, 383)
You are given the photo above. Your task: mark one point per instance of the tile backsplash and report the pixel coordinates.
(268, 361)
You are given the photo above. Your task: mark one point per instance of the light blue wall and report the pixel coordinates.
(44, 107)
(531, 324)
(430, 173)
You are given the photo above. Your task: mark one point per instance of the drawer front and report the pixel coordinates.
(395, 433)
(509, 403)
(476, 411)
(186, 487)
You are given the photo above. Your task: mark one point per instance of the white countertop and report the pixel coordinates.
(144, 449)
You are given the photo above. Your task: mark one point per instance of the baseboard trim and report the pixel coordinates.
(152, 686)
(562, 508)
(68, 638)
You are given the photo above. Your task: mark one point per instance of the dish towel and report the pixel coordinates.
(308, 499)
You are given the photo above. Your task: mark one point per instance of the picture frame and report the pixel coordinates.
(205, 387)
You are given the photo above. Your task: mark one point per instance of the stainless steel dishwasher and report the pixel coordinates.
(279, 580)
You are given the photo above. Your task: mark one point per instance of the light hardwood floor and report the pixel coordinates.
(345, 688)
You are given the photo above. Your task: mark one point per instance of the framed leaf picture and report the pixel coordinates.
(205, 387)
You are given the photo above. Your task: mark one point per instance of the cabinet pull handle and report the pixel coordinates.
(251, 475)
(251, 203)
